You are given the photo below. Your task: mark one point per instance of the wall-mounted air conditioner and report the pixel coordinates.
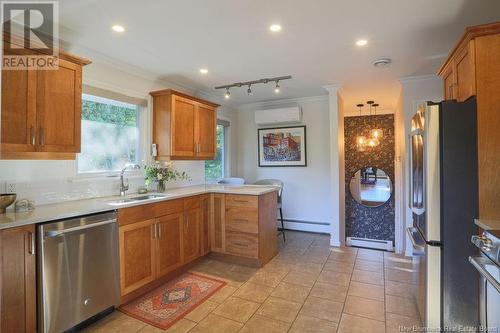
(288, 115)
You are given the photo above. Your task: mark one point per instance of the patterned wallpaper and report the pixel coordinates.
(361, 221)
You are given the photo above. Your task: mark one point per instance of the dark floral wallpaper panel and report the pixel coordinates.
(369, 222)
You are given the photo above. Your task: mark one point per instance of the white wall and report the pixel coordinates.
(415, 91)
(307, 193)
(55, 181)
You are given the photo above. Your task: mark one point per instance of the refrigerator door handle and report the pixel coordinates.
(419, 248)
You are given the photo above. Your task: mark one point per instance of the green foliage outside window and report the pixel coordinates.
(214, 169)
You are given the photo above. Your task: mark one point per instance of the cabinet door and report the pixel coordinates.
(137, 255)
(449, 82)
(59, 108)
(182, 127)
(18, 110)
(18, 278)
(206, 127)
(217, 223)
(205, 223)
(169, 243)
(191, 235)
(464, 64)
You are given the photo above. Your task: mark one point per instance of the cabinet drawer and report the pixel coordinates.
(135, 214)
(233, 200)
(242, 244)
(242, 219)
(192, 202)
(169, 207)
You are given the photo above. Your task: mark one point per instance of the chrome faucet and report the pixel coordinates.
(123, 186)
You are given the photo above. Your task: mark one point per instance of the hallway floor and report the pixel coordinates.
(308, 287)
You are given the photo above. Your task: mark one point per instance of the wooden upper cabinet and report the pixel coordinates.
(137, 255)
(41, 111)
(458, 73)
(474, 65)
(184, 127)
(18, 111)
(59, 108)
(206, 122)
(18, 280)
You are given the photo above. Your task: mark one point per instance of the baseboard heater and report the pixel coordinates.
(370, 243)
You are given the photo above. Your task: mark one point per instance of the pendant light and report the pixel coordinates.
(360, 139)
(376, 133)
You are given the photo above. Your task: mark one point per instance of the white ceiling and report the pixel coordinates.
(173, 39)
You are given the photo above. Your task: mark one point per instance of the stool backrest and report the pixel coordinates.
(273, 182)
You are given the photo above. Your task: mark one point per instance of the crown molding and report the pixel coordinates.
(417, 78)
(332, 88)
(275, 102)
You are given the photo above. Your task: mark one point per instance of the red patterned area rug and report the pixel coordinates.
(170, 302)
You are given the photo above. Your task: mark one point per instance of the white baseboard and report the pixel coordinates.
(306, 226)
(370, 243)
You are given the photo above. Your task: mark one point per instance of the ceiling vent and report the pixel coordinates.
(381, 63)
(288, 115)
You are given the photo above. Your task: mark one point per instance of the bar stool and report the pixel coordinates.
(278, 183)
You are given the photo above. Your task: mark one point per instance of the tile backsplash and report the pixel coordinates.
(45, 183)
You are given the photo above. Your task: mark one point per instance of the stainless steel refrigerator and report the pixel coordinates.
(444, 203)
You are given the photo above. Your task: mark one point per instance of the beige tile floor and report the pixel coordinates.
(308, 287)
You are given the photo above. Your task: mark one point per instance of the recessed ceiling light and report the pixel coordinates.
(275, 27)
(118, 28)
(203, 71)
(361, 42)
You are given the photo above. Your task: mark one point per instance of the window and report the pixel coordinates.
(110, 135)
(216, 169)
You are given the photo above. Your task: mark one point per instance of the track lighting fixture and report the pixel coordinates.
(277, 87)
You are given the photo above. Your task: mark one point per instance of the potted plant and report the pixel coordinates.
(161, 172)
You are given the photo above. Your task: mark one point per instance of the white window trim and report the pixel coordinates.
(226, 169)
(144, 130)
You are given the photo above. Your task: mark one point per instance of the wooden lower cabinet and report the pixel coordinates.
(244, 226)
(137, 255)
(169, 243)
(205, 205)
(191, 235)
(157, 239)
(217, 223)
(18, 280)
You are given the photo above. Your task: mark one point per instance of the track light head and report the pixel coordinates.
(227, 94)
(249, 90)
(277, 88)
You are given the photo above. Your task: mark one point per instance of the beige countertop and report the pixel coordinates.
(488, 224)
(69, 209)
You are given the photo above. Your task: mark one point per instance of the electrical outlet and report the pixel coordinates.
(11, 188)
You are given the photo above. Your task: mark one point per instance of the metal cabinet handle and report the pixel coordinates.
(31, 240)
(153, 230)
(33, 135)
(42, 136)
(159, 230)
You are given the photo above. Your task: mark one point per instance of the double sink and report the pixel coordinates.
(138, 198)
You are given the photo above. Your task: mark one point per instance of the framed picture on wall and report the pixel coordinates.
(282, 146)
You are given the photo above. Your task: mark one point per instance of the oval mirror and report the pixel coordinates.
(371, 187)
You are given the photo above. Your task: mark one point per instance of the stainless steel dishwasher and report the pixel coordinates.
(78, 270)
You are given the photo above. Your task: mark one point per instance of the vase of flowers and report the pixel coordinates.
(161, 172)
